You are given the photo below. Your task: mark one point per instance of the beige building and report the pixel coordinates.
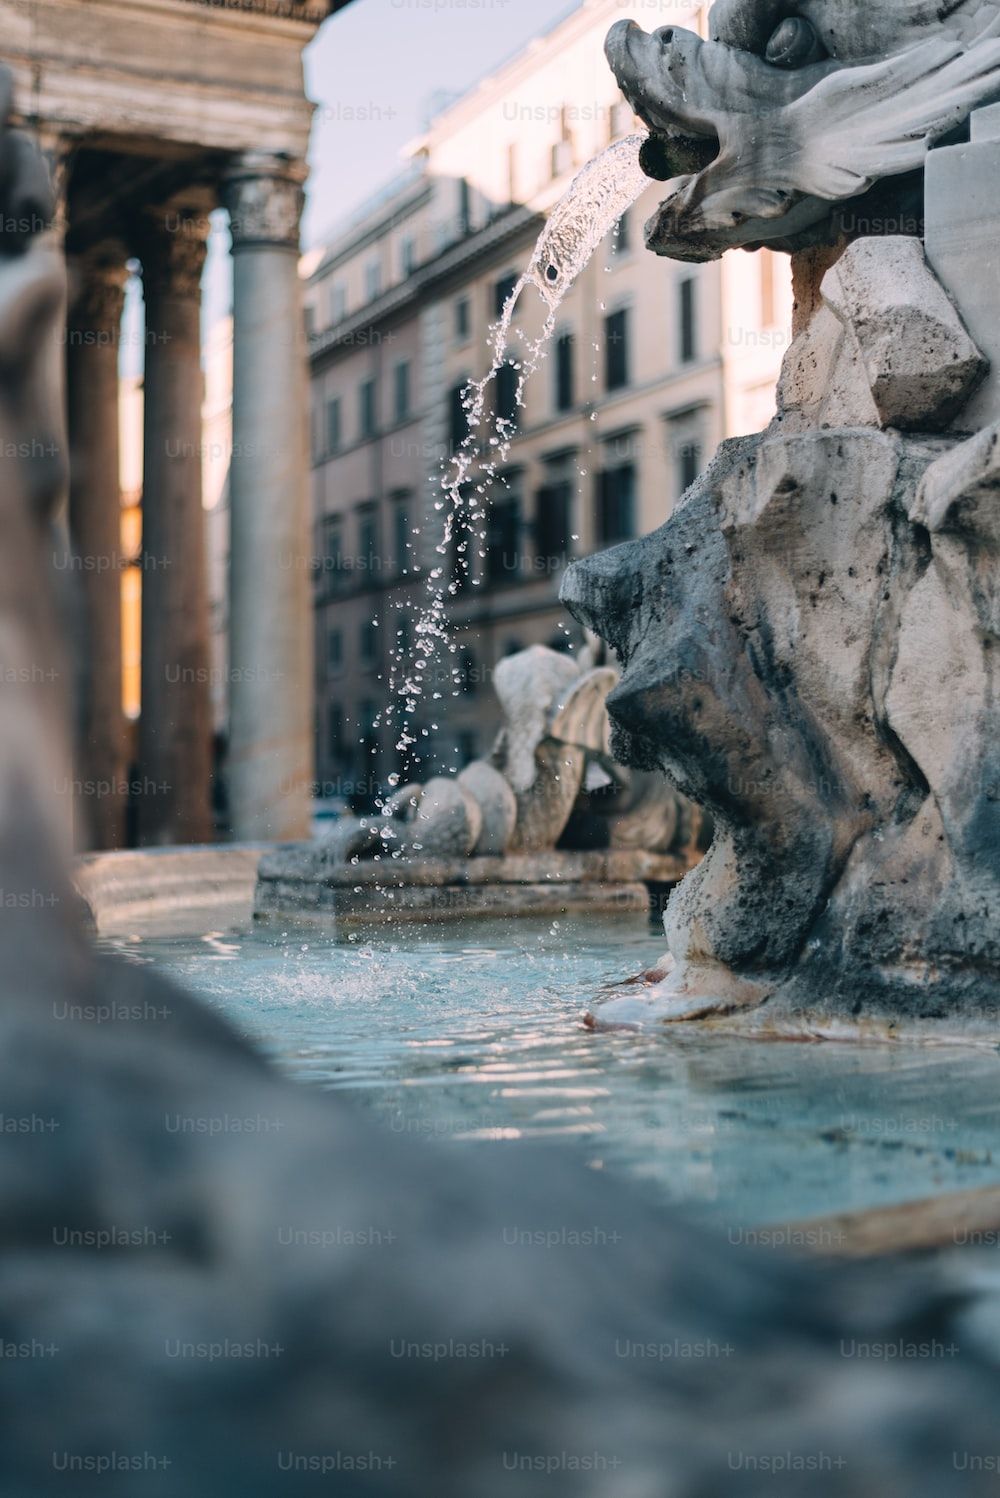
(651, 364)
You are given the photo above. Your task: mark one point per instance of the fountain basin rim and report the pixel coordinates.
(181, 888)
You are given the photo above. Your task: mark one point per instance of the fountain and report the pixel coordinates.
(220, 1282)
(829, 586)
(548, 823)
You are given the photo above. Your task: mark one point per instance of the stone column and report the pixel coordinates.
(175, 729)
(271, 641)
(97, 283)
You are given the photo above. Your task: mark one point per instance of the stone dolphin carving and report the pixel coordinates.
(793, 113)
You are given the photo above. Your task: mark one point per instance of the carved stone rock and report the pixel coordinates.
(497, 805)
(920, 363)
(817, 672)
(447, 821)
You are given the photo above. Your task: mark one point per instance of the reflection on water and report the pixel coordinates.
(473, 1033)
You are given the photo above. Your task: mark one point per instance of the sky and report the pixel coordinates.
(374, 70)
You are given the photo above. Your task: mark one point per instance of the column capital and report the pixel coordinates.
(264, 197)
(97, 282)
(172, 242)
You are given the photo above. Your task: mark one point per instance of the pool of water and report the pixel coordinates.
(473, 1032)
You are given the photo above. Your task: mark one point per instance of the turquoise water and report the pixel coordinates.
(473, 1032)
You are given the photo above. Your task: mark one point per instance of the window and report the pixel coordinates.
(616, 504)
(688, 462)
(767, 263)
(553, 521)
(464, 206)
(401, 390)
(369, 561)
(506, 392)
(512, 177)
(687, 312)
(338, 301)
(467, 745)
(458, 417)
(309, 318)
(335, 650)
(562, 151)
(336, 733)
(503, 538)
(462, 319)
(373, 279)
(620, 244)
(401, 529)
(620, 119)
(564, 372)
(366, 403)
(616, 350)
(461, 553)
(468, 672)
(561, 159)
(368, 738)
(333, 425)
(368, 643)
(316, 433)
(335, 568)
(502, 291)
(407, 256)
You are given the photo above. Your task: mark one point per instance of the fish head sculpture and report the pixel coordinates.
(786, 112)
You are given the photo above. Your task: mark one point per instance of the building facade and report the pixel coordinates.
(650, 365)
(152, 113)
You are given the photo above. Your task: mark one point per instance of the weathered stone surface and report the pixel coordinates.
(348, 837)
(295, 882)
(560, 717)
(404, 800)
(823, 381)
(556, 729)
(796, 113)
(529, 686)
(497, 805)
(837, 720)
(961, 492)
(447, 821)
(920, 363)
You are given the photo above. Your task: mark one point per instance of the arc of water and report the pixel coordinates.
(596, 199)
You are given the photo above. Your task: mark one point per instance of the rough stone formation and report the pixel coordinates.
(497, 807)
(918, 361)
(522, 798)
(770, 124)
(808, 648)
(448, 820)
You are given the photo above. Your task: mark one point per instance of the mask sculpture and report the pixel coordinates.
(787, 112)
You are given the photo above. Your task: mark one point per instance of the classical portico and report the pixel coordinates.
(152, 113)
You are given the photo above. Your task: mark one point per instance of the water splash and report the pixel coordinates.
(598, 196)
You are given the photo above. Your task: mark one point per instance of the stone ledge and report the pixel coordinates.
(295, 881)
(181, 887)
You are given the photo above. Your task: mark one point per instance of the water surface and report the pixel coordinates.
(472, 1032)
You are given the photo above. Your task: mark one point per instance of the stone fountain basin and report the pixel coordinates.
(299, 882)
(470, 1031)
